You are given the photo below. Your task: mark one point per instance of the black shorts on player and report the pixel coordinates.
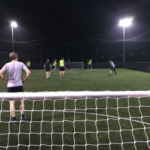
(15, 89)
(53, 67)
(61, 69)
(90, 66)
(47, 69)
(28, 67)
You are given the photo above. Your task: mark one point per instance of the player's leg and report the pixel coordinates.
(12, 106)
(112, 70)
(49, 73)
(115, 70)
(21, 106)
(46, 74)
(12, 112)
(12, 109)
(91, 68)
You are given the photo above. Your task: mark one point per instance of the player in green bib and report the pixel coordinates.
(54, 65)
(28, 63)
(90, 65)
(61, 67)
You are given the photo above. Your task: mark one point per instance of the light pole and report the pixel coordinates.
(125, 23)
(13, 25)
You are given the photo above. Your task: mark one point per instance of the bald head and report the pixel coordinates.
(13, 56)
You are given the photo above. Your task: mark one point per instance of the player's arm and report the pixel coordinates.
(1, 75)
(50, 66)
(44, 66)
(27, 74)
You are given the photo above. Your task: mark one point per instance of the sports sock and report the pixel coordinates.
(22, 115)
(13, 118)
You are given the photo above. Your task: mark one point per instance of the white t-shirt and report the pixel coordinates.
(112, 64)
(14, 73)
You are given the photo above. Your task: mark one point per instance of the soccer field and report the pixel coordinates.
(81, 80)
(87, 125)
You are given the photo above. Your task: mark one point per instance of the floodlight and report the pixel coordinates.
(125, 22)
(14, 24)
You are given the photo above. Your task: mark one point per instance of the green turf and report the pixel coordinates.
(52, 121)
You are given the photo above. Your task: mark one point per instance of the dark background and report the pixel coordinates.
(75, 30)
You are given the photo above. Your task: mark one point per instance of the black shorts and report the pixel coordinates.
(53, 67)
(113, 68)
(90, 66)
(61, 69)
(47, 69)
(28, 67)
(15, 89)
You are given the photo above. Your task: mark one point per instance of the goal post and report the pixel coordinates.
(86, 120)
(77, 65)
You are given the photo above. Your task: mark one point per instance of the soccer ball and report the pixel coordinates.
(110, 72)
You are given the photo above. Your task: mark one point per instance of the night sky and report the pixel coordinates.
(72, 29)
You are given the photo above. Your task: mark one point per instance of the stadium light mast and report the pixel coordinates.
(13, 25)
(126, 22)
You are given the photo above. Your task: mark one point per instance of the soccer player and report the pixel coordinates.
(61, 65)
(112, 66)
(47, 66)
(54, 65)
(14, 82)
(28, 63)
(68, 64)
(90, 65)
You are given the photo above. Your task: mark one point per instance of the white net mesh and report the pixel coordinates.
(77, 121)
(77, 65)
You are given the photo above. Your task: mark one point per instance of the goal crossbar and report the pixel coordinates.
(72, 95)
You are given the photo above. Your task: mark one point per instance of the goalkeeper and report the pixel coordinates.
(112, 66)
(14, 82)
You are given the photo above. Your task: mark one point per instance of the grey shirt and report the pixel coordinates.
(14, 73)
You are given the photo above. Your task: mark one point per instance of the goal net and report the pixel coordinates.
(77, 121)
(77, 65)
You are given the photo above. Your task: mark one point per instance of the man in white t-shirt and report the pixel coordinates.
(112, 65)
(14, 81)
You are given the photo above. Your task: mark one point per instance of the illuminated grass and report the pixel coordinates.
(79, 80)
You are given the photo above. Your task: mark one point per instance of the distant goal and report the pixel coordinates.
(77, 65)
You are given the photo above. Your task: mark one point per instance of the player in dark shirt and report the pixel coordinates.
(68, 64)
(47, 67)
